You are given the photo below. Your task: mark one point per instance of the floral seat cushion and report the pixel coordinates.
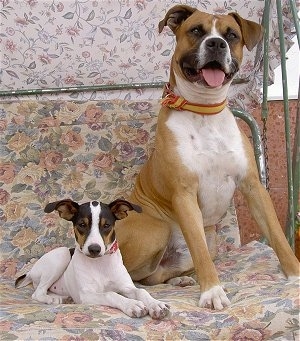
(264, 305)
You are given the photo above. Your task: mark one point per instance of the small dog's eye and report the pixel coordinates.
(106, 226)
(81, 226)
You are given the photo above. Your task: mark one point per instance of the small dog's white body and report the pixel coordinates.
(94, 275)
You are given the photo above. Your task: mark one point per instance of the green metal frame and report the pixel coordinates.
(292, 152)
(81, 88)
(89, 88)
(296, 147)
(257, 142)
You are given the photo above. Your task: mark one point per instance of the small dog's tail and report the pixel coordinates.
(22, 281)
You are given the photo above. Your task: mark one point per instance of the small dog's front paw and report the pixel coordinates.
(214, 298)
(135, 308)
(158, 310)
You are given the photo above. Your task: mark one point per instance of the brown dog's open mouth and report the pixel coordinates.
(212, 74)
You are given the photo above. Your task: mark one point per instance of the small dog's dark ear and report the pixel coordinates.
(175, 16)
(120, 207)
(66, 208)
(252, 31)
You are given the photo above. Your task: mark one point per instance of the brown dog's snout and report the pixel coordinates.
(94, 250)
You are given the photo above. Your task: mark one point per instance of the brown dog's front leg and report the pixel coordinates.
(191, 222)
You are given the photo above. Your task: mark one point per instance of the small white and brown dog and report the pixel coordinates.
(95, 273)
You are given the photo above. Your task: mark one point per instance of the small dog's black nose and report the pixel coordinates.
(215, 44)
(94, 250)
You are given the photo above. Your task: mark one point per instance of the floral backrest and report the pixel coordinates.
(85, 151)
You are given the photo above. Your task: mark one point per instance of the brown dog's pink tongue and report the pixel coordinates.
(213, 77)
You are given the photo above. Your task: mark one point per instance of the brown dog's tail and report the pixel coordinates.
(22, 281)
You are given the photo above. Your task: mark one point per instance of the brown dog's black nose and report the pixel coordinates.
(215, 44)
(94, 250)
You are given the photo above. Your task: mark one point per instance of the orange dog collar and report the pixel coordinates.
(179, 103)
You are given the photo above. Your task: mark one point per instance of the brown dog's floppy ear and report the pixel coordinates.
(120, 207)
(252, 32)
(66, 208)
(175, 16)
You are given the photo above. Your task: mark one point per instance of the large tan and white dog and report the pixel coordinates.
(200, 158)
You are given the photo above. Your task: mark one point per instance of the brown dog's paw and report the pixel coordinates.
(214, 298)
(182, 281)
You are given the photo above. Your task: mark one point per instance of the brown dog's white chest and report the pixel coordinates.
(212, 148)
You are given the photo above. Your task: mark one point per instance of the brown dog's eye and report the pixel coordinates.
(197, 31)
(106, 226)
(231, 35)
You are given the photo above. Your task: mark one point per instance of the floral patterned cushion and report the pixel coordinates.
(93, 150)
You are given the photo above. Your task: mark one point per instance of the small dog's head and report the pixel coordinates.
(93, 222)
(209, 47)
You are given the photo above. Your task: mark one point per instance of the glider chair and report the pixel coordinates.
(79, 99)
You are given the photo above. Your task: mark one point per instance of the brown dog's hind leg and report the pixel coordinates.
(169, 276)
(174, 266)
(143, 240)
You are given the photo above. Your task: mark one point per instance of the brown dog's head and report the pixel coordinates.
(209, 47)
(93, 222)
